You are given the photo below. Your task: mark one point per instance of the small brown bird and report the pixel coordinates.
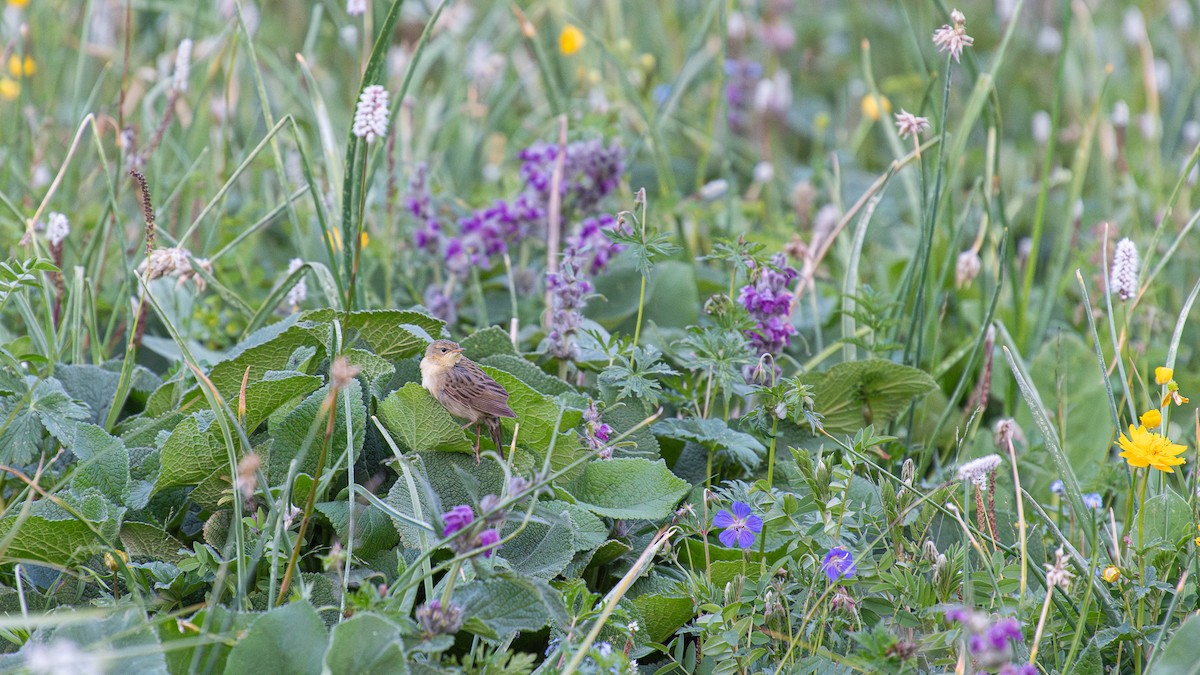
(465, 390)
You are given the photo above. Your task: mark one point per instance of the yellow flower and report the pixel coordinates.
(363, 239)
(874, 107)
(1151, 418)
(18, 3)
(1163, 375)
(18, 67)
(570, 40)
(1111, 574)
(9, 89)
(1144, 448)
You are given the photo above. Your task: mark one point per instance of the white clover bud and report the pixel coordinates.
(183, 66)
(371, 115)
(1123, 281)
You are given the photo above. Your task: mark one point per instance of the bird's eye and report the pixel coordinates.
(443, 350)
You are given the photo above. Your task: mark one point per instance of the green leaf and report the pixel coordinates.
(715, 436)
(193, 452)
(103, 463)
(373, 531)
(854, 394)
(496, 607)
(1168, 519)
(273, 354)
(1179, 656)
(528, 373)
(52, 535)
(672, 301)
(292, 434)
(622, 418)
(490, 341)
(48, 407)
(276, 388)
(223, 621)
(589, 530)
(392, 333)
(628, 489)
(377, 370)
(93, 385)
(663, 606)
(289, 639)
(420, 423)
(143, 540)
(366, 644)
(544, 548)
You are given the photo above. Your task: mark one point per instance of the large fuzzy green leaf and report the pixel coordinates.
(855, 394)
(416, 420)
(51, 534)
(628, 488)
(288, 639)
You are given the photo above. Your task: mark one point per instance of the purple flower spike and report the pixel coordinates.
(456, 519)
(839, 564)
(739, 527)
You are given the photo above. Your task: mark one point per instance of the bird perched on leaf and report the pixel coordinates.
(465, 390)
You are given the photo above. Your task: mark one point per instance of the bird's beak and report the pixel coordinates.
(459, 350)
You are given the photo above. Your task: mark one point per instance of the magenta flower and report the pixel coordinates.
(488, 538)
(457, 518)
(839, 564)
(739, 527)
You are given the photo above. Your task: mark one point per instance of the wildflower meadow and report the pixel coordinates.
(555, 336)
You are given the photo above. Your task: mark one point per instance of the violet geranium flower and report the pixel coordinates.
(838, 564)
(740, 527)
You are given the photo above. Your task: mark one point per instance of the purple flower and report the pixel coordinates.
(441, 304)
(591, 171)
(958, 615)
(839, 564)
(1093, 500)
(488, 538)
(1057, 488)
(999, 633)
(1018, 669)
(768, 301)
(742, 77)
(739, 528)
(568, 295)
(456, 519)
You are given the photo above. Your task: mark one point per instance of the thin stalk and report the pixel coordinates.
(308, 506)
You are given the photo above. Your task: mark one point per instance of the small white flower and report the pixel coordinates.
(62, 657)
(57, 229)
(1133, 26)
(1123, 281)
(774, 94)
(1180, 13)
(1041, 127)
(763, 172)
(183, 66)
(978, 470)
(713, 189)
(1120, 114)
(1058, 574)
(633, 626)
(356, 7)
(371, 115)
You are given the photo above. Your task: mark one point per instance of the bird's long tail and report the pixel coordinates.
(493, 427)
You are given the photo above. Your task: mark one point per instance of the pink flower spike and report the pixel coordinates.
(371, 115)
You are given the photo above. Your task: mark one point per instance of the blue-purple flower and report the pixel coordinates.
(740, 527)
(839, 564)
(456, 519)
(769, 302)
(1093, 500)
(1018, 669)
(487, 539)
(1057, 488)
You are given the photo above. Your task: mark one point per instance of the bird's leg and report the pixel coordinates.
(477, 430)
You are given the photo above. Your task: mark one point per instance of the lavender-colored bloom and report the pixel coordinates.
(592, 246)
(839, 564)
(958, 614)
(441, 304)
(427, 236)
(1003, 631)
(739, 527)
(1018, 669)
(1093, 500)
(741, 78)
(1057, 488)
(768, 301)
(568, 295)
(456, 519)
(488, 538)
(591, 171)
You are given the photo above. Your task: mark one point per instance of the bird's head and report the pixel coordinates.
(443, 353)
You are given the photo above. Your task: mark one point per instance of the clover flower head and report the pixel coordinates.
(740, 527)
(371, 115)
(953, 38)
(1123, 281)
(839, 564)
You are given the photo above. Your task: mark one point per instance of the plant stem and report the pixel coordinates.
(311, 500)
